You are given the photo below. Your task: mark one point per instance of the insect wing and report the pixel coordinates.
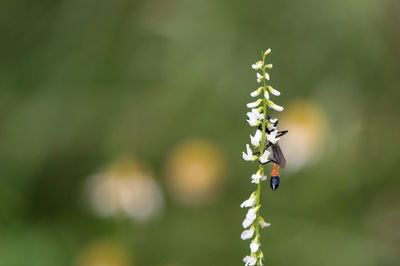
(278, 155)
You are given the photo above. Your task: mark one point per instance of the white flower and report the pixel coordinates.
(255, 114)
(254, 104)
(247, 234)
(250, 202)
(257, 65)
(266, 95)
(253, 123)
(252, 213)
(249, 155)
(250, 260)
(255, 141)
(263, 223)
(274, 106)
(270, 126)
(269, 66)
(267, 52)
(257, 177)
(247, 222)
(261, 256)
(265, 157)
(273, 91)
(256, 92)
(273, 120)
(259, 78)
(250, 217)
(272, 137)
(254, 117)
(254, 245)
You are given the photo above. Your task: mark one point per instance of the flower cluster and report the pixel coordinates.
(266, 135)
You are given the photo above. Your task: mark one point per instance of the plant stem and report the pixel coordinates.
(261, 167)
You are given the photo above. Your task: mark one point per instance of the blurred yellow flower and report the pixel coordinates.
(194, 171)
(308, 131)
(104, 253)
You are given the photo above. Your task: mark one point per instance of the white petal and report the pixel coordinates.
(259, 76)
(247, 222)
(263, 223)
(266, 76)
(256, 113)
(274, 106)
(254, 246)
(246, 259)
(250, 202)
(247, 157)
(265, 157)
(256, 92)
(250, 260)
(272, 137)
(266, 95)
(255, 141)
(257, 65)
(247, 234)
(256, 177)
(273, 91)
(267, 52)
(249, 151)
(269, 66)
(253, 123)
(251, 212)
(273, 120)
(254, 104)
(270, 126)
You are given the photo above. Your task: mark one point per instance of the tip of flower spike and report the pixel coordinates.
(267, 52)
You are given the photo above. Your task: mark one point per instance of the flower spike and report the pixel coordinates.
(265, 139)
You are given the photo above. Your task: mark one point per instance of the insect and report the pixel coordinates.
(278, 158)
(274, 180)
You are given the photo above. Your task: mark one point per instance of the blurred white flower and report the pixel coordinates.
(125, 187)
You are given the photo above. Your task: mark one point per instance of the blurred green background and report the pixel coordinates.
(122, 127)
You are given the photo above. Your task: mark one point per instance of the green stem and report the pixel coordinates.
(261, 167)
